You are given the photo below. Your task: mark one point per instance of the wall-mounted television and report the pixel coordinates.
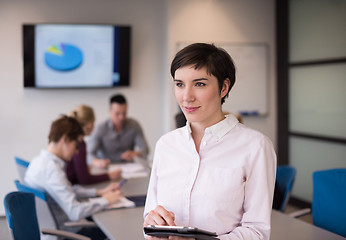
(76, 55)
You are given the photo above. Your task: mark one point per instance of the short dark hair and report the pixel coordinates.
(216, 60)
(67, 126)
(118, 98)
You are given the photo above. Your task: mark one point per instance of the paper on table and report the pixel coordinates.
(121, 203)
(134, 175)
(130, 170)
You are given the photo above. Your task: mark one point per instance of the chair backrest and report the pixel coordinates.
(329, 200)
(22, 166)
(285, 176)
(44, 214)
(21, 215)
(24, 188)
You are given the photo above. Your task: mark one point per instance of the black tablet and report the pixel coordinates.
(165, 231)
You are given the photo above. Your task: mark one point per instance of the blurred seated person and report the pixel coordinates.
(46, 172)
(116, 139)
(77, 169)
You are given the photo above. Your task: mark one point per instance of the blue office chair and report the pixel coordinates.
(328, 201)
(21, 217)
(47, 217)
(285, 176)
(44, 215)
(22, 166)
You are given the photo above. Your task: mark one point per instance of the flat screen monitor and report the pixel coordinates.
(76, 55)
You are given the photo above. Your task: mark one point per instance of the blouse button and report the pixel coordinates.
(204, 143)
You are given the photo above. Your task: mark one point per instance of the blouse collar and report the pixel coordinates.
(219, 129)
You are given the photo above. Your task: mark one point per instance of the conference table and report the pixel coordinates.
(127, 224)
(136, 185)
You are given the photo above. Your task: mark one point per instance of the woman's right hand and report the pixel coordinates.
(159, 216)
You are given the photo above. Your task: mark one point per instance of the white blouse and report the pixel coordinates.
(227, 188)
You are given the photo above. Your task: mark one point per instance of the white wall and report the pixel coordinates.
(157, 25)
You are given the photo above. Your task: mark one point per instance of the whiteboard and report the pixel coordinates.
(249, 93)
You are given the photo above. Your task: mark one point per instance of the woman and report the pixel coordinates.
(77, 170)
(215, 173)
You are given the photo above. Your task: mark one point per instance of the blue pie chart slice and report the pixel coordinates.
(63, 57)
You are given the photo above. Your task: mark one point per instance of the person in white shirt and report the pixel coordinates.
(214, 173)
(46, 172)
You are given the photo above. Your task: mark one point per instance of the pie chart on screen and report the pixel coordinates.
(63, 57)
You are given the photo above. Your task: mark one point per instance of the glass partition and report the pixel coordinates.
(308, 156)
(318, 100)
(315, 127)
(317, 29)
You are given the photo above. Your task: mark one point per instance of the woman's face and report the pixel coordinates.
(198, 95)
(88, 128)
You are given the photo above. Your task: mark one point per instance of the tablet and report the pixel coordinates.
(155, 230)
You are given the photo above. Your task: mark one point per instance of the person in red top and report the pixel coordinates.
(77, 170)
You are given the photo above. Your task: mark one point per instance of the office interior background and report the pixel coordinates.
(157, 28)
